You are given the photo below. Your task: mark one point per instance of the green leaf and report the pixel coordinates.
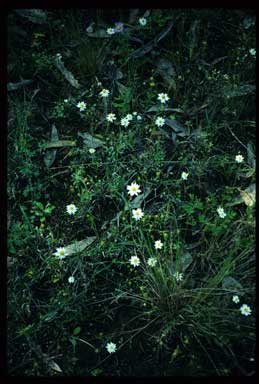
(90, 141)
(79, 246)
(96, 372)
(76, 331)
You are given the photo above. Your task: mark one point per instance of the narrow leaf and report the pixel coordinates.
(37, 16)
(139, 199)
(231, 284)
(186, 260)
(251, 155)
(54, 366)
(50, 154)
(15, 86)
(235, 91)
(91, 141)
(167, 72)
(67, 74)
(177, 127)
(149, 46)
(157, 108)
(79, 246)
(248, 195)
(61, 143)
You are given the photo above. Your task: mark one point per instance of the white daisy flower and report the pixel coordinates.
(239, 158)
(163, 97)
(61, 253)
(111, 347)
(110, 31)
(111, 117)
(92, 150)
(152, 261)
(221, 212)
(158, 244)
(71, 209)
(252, 51)
(133, 189)
(139, 117)
(142, 21)
(178, 276)
(137, 213)
(104, 93)
(71, 279)
(134, 260)
(134, 113)
(245, 310)
(81, 105)
(235, 299)
(129, 116)
(124, 122)
(184, 175)
(65, 100)
(160, 121)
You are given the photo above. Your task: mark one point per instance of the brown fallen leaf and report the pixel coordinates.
(248, 195)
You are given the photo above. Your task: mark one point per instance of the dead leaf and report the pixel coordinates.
(15, 86)
(157, 108)
(185, 261)
(54, 366)
(248, 195)
(235, 91)
(179, 129)
(37, 16)
(61, 143)
(251, 155)
(167, 72)
(67, 74)
(133, 15)
(138, 200)
(149, 46)
(50, 154)
(91, 141)
(232, 284)
(79, 246)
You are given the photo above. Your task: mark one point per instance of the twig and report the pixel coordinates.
(240, 142)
